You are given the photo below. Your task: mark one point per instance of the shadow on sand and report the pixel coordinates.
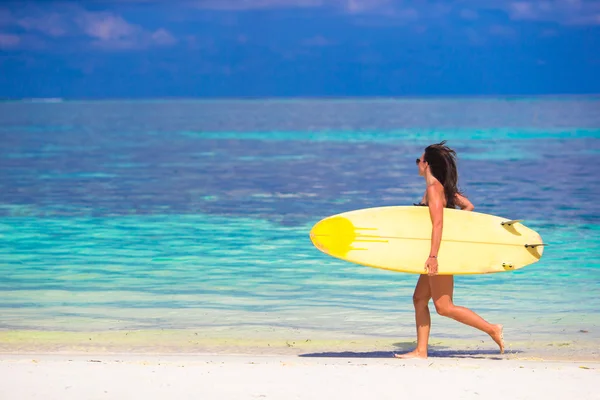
(434, 351)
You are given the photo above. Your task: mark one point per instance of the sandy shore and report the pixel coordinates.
(286, 342)
(223, 377)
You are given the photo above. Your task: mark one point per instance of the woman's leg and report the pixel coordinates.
(421, 298)
(442, 289)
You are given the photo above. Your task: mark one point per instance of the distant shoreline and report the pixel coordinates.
(304, 98)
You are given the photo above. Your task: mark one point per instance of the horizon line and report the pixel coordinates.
(58, 99)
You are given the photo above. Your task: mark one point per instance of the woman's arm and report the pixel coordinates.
(435, 201)
(464, 203)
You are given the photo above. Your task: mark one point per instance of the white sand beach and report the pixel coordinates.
(64, 376)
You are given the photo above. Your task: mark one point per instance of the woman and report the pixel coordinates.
(438, 166)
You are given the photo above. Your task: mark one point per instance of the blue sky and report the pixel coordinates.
(240, 48)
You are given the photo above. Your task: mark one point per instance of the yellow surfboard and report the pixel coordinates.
(399, 239)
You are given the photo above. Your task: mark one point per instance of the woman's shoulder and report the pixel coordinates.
(435, 188)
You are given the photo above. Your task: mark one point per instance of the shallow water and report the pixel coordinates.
(183, 215)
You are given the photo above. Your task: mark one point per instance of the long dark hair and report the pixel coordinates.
(442, 163)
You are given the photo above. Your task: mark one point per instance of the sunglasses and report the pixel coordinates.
(418, 161)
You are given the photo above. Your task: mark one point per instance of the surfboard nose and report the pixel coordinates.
(314, 236)
(320, 232)
(333, 236)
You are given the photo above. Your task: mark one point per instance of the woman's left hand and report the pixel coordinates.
(431, 266)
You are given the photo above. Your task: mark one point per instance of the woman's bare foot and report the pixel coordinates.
(498, 337)
(412, 354)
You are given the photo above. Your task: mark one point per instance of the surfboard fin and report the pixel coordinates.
(533, 246)
(510, 223)
(507, 266)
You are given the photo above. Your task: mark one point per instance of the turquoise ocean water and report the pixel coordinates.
(193, 216)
